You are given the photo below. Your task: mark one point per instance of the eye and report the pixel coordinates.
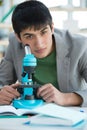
(29, 37)
(43, 32)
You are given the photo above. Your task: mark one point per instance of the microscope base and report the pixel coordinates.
(27, 104)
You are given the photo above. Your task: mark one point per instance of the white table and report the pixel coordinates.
(18, 123)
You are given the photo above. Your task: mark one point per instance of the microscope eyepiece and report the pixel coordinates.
(27, 49)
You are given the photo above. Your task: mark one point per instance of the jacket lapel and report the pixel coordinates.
(63, 62)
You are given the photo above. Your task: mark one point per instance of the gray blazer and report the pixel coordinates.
(71, 57)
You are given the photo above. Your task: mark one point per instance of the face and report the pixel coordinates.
(40, 41)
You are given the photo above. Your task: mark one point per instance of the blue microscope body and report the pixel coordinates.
(28, 89)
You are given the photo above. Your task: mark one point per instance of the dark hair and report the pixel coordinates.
(30, 14)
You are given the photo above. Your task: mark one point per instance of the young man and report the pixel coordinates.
(61, 58)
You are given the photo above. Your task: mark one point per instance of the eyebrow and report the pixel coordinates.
(44, 28)
(26, 34)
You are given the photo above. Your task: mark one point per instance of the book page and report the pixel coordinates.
(43, 120)
(25, 112)
(8, 110)
(57, 111)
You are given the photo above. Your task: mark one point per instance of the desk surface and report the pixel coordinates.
(16, 123)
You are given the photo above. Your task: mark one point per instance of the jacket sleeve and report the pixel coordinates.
(7, 70)
(83, 73)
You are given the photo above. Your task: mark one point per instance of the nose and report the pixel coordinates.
(39, 42)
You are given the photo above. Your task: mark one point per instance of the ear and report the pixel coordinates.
(19, 40)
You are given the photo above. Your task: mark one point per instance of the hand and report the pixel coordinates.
(50, 94)
(8, 93)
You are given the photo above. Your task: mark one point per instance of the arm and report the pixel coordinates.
(8, 76)
(50, 94)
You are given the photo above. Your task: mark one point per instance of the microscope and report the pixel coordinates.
(28, 88)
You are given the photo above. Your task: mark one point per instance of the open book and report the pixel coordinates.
(10, 110)
(52, 110)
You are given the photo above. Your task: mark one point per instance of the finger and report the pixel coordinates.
(6, 95)
(15, 85)
(5, 102)
(40, 90)
(5, 99)
(10, 92)
(46, 93)
(8, 99)
(49, 99)
(12, 89)
(44, 90)
(14, 92)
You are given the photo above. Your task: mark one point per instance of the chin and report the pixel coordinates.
(41, 56)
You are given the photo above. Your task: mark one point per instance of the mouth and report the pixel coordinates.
(40, 50)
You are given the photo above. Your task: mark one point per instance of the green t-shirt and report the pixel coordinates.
(45, 71)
